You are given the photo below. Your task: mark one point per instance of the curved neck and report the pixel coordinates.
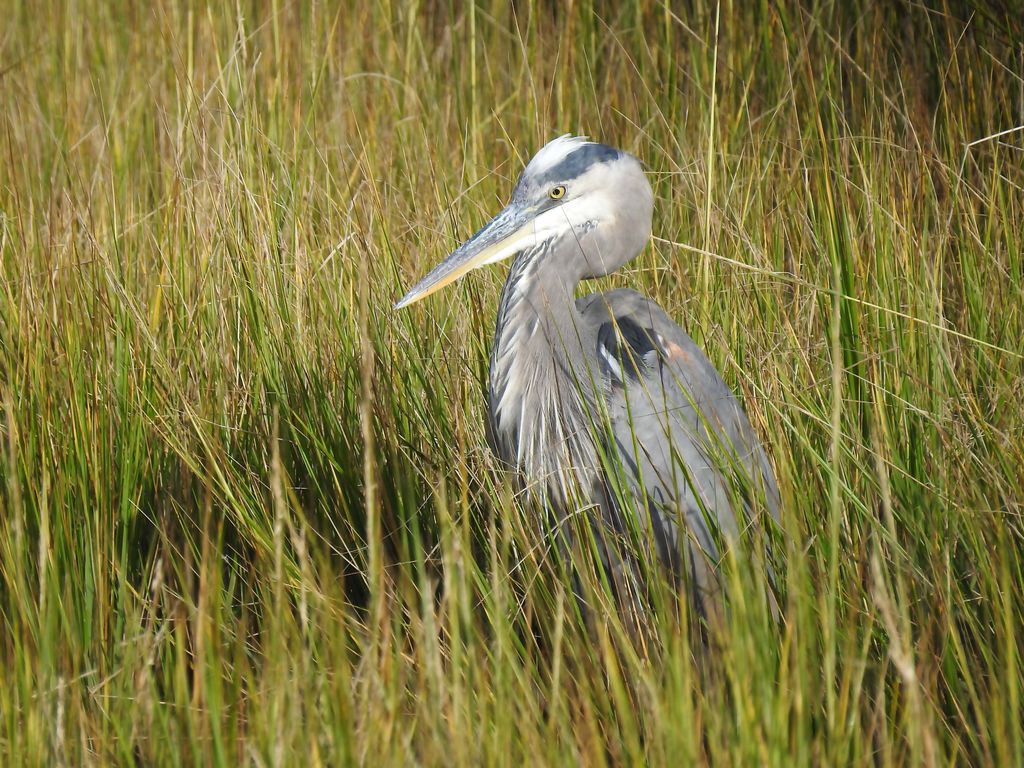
(537, 297)
(538, 342)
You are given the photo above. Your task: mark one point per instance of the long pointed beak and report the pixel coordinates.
(510, 232)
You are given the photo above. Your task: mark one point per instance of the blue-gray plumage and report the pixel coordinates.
(603, 402)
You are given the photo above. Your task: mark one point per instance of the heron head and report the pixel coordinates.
(585, 208)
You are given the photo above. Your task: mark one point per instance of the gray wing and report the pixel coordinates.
(694, 459)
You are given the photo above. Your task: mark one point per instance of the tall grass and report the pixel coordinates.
(248, 511)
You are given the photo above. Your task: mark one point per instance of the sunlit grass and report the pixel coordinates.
(249, 515)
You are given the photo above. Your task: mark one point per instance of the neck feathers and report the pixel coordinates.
(533, 396)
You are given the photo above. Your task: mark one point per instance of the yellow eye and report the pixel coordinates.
(557, 193)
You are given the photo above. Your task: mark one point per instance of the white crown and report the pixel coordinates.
(554, 152)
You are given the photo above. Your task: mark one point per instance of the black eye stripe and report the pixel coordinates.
(577, 161)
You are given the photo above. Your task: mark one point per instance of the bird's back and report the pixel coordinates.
(681, 440)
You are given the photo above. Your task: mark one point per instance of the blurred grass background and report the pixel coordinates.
(248, 512)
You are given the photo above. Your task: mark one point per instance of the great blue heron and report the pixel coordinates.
(602, 402)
